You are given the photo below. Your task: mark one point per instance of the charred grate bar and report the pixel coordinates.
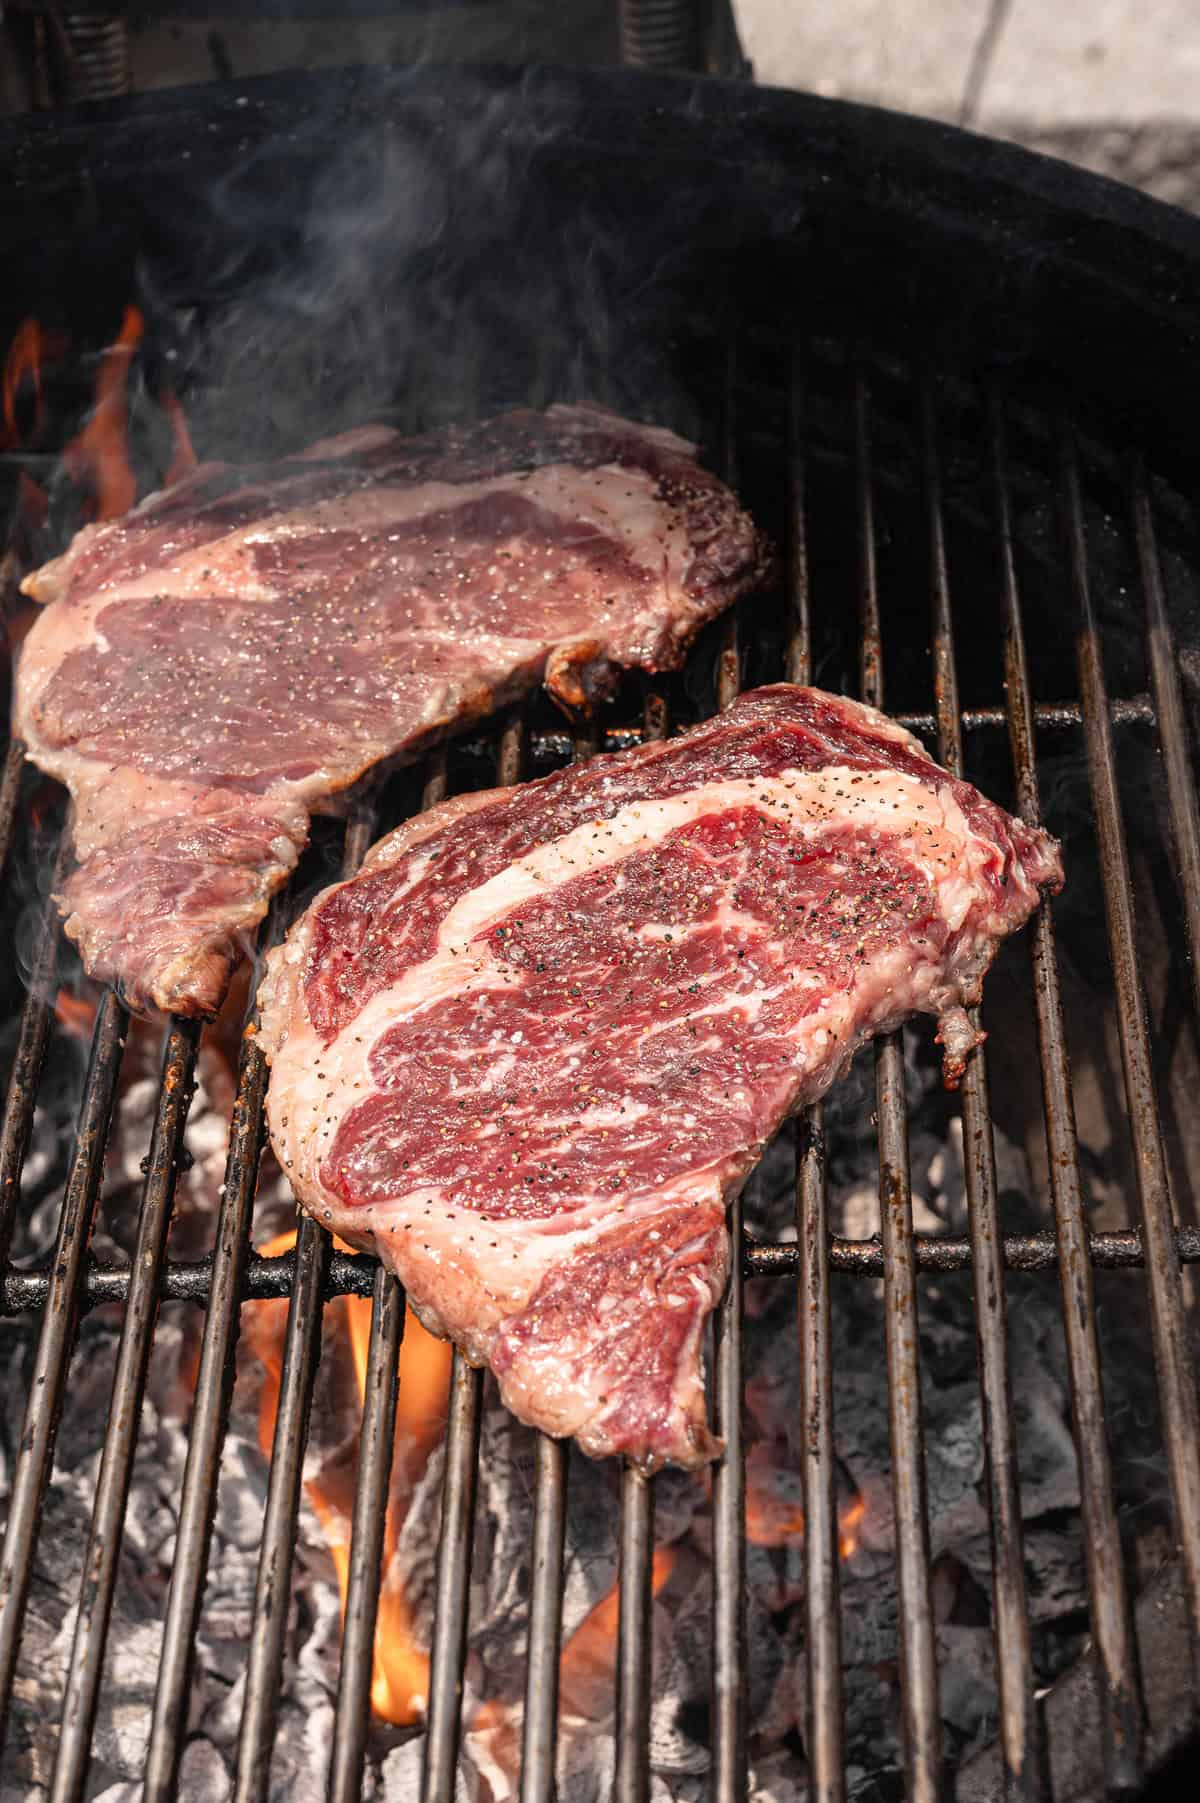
(354, 1274)
(316, 1271)
(1014, 1654)
(918, 1656)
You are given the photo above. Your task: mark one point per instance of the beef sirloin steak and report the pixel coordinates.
(531, 1050)
(217, 664)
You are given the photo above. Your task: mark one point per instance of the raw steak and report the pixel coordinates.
(218, 663)
(529, 1053)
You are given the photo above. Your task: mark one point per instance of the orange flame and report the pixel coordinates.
(100, 453)
(589, 1657)
(76, 1014)
(585, 1671)
(768, 1521)
(23, 370)
(771, 1521)
(97, 458)
(183, 458)
(30, 347)
(400, 1684)
(24, 361)
(400, 1681)
(848, 1527)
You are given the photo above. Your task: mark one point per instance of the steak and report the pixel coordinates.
(215, 666)
(529, 1053)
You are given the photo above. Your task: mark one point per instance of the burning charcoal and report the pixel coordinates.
(499, 1609)
(968, 1698)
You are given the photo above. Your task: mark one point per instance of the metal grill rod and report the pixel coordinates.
(825, 1727)
(1050, 716)
(1072, 1247)
(455, 1547)
(376, 1449)
(1176, 1374)
(729, 1474)
(353, 1274)
(375, 1454)
(729, 1539)
(120, 1435)
(1171, 719)
(918, 1656)
(539, 1741)
(30, 1055)
(1014, 1656)
(210, 1416)
(10, 790)
(301, 1356)
(936, 1252)
(272, 1593)
(456, 1538)
(56, 1337)
(631, 1780)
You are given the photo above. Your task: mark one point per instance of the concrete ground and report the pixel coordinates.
(1111, 84)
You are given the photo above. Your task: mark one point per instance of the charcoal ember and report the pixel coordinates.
(202, 1168)
(1046, 1452)
(951, 1409)
(203, 1778)
(500, 1592)
(680, 1748)
(1056, 1572)
(401, 1776)
(967, 1696)
(773, 1778)
(121, 1729)
(501, 1568)
(203, 1775)
(953, 1463)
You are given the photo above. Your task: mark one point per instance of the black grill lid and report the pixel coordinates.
(609, 195)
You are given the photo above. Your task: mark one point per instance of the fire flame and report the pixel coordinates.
(589, 1657)
(99, 455)
(769, 1520)
(30, 347)
(773, 1520)
(849, 1525)
(97, 459)
(585, 1672)
(184, 459)
(76, 1014)
(400, 1682)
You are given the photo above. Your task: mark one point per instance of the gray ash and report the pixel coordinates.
(680, 1736)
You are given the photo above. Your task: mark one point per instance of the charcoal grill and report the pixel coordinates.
(957, 421)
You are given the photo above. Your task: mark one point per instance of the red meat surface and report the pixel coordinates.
(529, 1053)
(217, 665)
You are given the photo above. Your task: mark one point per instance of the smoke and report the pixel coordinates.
(419, 249)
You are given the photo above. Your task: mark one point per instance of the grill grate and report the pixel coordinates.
(314, 1272)
(1014, 1656)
